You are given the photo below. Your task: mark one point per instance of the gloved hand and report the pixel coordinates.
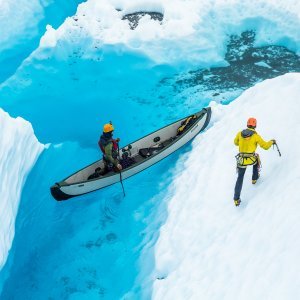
(274, 142)
(119, 167)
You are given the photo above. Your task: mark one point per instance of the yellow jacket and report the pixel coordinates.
(248, 139)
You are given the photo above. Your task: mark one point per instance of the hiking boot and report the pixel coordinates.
(254, 181)
(237, 202)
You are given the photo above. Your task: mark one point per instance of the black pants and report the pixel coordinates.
(240, 179)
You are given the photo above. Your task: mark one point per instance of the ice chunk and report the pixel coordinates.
(203, 25)
(19, 150)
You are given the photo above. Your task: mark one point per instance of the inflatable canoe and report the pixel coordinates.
(141, 154)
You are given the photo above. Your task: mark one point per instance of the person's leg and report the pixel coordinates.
(255, 173)
(105, 169)
(239, 183)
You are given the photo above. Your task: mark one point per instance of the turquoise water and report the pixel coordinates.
(99, 245)
(89, 247)
(84, 94)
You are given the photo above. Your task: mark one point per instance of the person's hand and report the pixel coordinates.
(274, 142)
(117, 140)
(119, 167)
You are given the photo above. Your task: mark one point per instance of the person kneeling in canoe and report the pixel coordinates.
(109, 147)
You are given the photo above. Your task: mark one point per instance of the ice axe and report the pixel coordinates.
(277, 148)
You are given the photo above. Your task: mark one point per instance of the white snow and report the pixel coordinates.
(202, 25)
(210, 249)
(19, 150)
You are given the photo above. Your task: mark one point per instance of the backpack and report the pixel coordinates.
(187, 123)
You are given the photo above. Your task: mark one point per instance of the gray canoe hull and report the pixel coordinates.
(77, 184)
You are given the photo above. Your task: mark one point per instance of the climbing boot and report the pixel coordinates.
(237, 202)
(254, 181)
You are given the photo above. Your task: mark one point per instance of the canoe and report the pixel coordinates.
(141, 154)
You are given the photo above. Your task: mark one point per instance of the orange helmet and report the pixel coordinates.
(251, 122)
(108, 128)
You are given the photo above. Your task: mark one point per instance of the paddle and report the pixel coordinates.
(121, 178)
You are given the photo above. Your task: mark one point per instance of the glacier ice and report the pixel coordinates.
(19, 150)
(203, 25)
(25, 16)
(22, 24)
(208, 248)
(192, 34)
(94, 56)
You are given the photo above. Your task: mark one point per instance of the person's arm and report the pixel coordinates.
(263, 144)
(237, 139)
(108, 154)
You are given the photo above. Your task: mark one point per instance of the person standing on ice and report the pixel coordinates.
(247, 141)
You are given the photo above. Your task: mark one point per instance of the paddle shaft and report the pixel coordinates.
(121, 178)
